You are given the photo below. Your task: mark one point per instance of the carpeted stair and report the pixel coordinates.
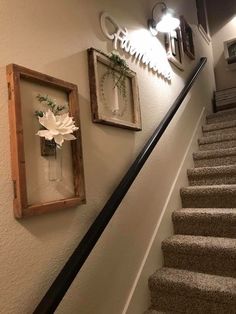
(199, 272)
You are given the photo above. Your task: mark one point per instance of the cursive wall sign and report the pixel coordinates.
(145, 55)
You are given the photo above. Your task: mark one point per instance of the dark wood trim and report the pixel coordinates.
(187, 36)
(170, 55)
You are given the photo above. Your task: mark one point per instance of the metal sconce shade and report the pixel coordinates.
(164, 22)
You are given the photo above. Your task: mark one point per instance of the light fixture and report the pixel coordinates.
(163, 22)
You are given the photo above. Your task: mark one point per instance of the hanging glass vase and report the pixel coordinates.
(55, 166)
(53, 153)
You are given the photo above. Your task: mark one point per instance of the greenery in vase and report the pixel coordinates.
(119, 71)
(56, 125)
(51, 103)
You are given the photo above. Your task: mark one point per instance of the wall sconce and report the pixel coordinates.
(164, 21)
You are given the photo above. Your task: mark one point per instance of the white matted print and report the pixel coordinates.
(114, 91)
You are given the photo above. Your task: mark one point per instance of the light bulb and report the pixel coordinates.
(167, 24)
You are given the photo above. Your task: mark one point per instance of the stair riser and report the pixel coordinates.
(219, 131)
(214, 228)
(167, 301)
(212, 180)
(158, 312)
(210, 264)
(217, 145)
(213, 162)
(209, 200)
(225, 106)
(222, 118)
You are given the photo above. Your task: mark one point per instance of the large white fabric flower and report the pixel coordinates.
(58, 127)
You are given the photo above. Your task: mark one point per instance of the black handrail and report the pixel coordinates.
(63, 281)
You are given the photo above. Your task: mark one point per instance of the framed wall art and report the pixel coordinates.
(230, 53)
(46, 149)
(203, 20)
(187, 37)
(113, 91)
(174, 50)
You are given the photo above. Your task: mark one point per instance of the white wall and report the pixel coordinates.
(52, 37)
(222, 20)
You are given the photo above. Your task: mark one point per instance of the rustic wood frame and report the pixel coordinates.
(170, 54)
(187, 37)
(20, 203)
(95, 56)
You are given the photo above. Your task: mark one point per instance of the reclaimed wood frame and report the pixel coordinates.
(20, 203)
(169, 49)
(187, 37)
(95, 56)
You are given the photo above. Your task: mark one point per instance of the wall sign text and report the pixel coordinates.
(145, 55)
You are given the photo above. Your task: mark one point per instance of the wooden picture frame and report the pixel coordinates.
(108, 104)
(230, 53)
(187, 37)
(174, 50)
(17, 75)
(203, 25)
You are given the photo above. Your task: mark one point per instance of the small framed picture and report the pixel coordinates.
(203, 20)
(174, 50)
(46, 148)
(113, 91)
(230, 51)
(187, 37)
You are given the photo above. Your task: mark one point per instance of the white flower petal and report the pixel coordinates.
(54, 132)
(59, 139)
(50, 120)
(69, 137)
(59, 127)
(45, 133)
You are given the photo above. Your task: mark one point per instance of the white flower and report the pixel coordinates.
(58, 127)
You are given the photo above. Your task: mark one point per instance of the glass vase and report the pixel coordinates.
(55, 165)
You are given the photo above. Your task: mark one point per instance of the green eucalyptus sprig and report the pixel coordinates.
(119, 71)
(51, 103)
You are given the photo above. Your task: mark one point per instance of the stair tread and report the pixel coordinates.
(216, 170)
(201, 245)
(215, 153)
(216, 138)
(219, 126)
(194, 284)
(214, 222)
(209, 196)
(229, 213)
(154, 312)
(210, 188)
(158, 312)
(227, 91)
(221, 113)
(199, 273)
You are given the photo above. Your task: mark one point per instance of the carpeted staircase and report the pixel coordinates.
(199, 273)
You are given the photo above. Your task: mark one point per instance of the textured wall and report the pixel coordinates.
(52, 37)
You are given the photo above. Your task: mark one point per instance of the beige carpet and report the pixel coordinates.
(199, 272)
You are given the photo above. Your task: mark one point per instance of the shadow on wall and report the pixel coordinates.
(220, 13)
(229, 75)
